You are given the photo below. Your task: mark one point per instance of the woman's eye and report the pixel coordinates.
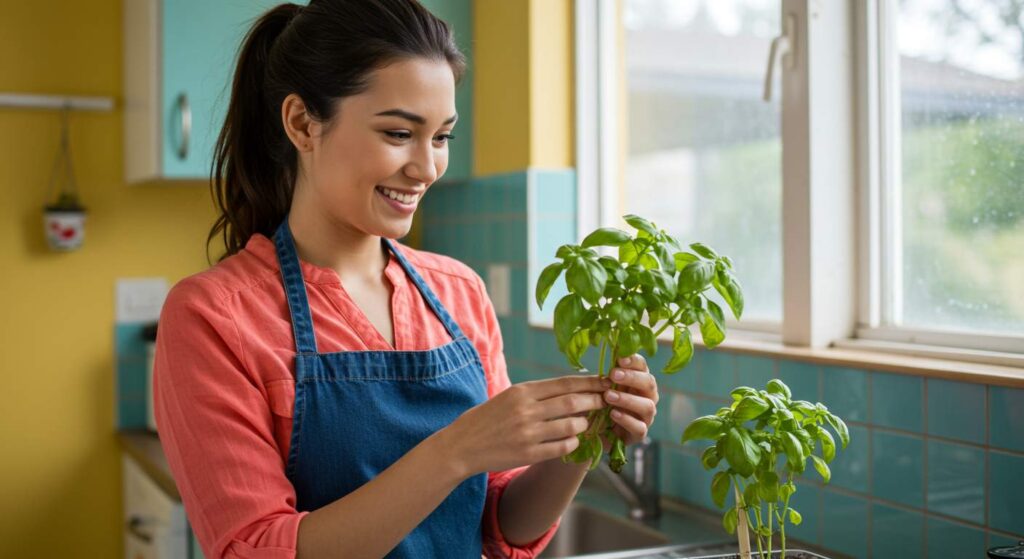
(443, 138)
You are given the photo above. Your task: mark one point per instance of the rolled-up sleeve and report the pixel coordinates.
(216, 429)
(493, 355)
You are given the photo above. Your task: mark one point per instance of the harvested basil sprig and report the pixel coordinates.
(761, 488)
(621, 305)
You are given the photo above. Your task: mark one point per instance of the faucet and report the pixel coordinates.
(638, 484)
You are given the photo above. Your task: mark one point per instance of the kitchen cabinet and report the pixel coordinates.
(178, 65)
(154, 522)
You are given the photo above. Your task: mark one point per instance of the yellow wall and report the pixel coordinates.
(60, 493)
(60, 473)
(522, 94)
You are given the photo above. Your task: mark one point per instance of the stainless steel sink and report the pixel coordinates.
(585, 529)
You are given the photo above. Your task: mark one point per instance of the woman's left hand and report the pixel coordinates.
(634, 402)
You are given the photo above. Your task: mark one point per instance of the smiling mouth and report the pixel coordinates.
(406, 199)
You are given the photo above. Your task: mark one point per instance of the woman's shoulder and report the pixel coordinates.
(211, 287)
(443, 268)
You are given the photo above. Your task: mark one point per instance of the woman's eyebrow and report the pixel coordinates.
(413, 117)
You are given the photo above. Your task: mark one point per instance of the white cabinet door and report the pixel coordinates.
(154, 523)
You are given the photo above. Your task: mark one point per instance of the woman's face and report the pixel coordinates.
(391, 141)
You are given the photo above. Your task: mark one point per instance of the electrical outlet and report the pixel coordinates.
(499, 288)
(139, 299)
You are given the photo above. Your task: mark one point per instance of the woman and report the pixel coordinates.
(323, 391)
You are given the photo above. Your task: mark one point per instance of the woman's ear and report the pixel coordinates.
(302, 130)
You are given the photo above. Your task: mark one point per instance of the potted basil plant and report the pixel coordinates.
(621, 304)
(762, 442)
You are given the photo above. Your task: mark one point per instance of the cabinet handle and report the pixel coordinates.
(135, 524)
(185, 110)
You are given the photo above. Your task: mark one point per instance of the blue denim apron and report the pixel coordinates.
(358, 412)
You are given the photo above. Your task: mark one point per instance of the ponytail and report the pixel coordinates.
(322, 52)
(251, 177)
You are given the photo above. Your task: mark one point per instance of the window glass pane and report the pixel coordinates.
(962, 101)
(703, 150)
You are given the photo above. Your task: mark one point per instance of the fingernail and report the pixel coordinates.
(618, 375)
(625, 361)
(613, 396)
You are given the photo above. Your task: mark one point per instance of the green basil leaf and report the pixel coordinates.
(710, 458)
(696, 276)
(628, 342)
(704, 250)
(665, 260)
(606, 236)
(740, 391)
(684, 258)
(777, 387)
(587, 278)
(786, 490)
(566, 251)
(737, 454)
(708, 427)
(794, 517)
(729, 288)
(828, 445)
(665, 282)
(752, 495)
(568, 313)
(682, 350)
(628, 252)
(822, 467)
(770, 486)
(729, 520)
(794, 451)
(749, 408)
(546, 280)
(720, 485)
(577, 346)
(647, 340)
(641, 224)
(840, 427)
(710, 329)
(647, 261)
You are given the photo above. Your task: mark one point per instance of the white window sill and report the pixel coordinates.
(927, 361)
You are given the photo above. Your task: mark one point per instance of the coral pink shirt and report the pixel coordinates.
(224, 386)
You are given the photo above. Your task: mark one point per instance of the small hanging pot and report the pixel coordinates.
(64, 218)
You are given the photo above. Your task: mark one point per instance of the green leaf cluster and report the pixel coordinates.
(758, 462)
(621, 304)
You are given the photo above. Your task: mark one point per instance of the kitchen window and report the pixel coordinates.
(888, 137)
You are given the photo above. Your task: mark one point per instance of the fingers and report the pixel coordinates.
(635, 361)
(544, 389)
(640, 406)
(571, 404)
(628, 428)
(642, 382)
(559, 429)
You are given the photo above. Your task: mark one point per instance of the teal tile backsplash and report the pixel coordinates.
(896, 532)
(934, 468)
(956, 410)
(956, 481)
(897, 401)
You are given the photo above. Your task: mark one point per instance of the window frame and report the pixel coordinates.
(843, 76)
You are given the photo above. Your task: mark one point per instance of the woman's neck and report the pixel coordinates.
(353, 254)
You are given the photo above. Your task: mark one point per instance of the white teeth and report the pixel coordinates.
(404, 198)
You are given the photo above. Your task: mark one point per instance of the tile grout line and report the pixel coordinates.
(924, 461)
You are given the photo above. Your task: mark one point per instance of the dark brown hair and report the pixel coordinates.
(322, 52)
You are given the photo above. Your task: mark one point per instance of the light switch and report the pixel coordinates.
(499, 288)
(139, 299)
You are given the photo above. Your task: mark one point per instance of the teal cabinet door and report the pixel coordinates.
(198, 45)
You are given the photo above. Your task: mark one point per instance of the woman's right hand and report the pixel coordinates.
(527, 423)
